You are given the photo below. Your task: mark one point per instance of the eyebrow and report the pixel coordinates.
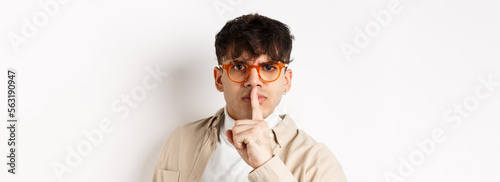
(241, 61)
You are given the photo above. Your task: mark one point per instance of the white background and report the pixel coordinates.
(369, 109)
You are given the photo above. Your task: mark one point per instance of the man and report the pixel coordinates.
(246, 140)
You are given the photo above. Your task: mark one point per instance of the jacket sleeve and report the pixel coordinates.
(334, 171)
(318, 165)
(273, 170)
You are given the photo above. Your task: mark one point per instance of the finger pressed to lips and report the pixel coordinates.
(244, 130)
(256, 112)
(248, 98)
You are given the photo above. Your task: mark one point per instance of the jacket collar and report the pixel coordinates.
(216, 119)
(285, 131)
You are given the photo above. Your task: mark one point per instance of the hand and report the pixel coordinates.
(251, 137)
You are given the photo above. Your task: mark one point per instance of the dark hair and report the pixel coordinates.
(255, 34)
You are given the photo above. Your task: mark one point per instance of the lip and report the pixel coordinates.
(246, 98)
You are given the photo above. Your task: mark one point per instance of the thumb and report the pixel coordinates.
(229, 135)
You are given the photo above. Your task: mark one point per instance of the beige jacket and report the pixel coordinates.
(296, 155)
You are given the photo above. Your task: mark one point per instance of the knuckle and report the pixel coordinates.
(252, 131)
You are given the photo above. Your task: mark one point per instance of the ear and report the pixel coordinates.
(218, 79)
(288, 80)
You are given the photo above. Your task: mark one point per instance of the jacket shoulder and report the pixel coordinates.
(317, 158)
(183, 143)
(189, 131)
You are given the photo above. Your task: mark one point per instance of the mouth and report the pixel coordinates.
(246, 98)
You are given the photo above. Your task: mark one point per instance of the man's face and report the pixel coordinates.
(237, 95)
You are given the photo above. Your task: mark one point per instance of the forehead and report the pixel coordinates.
(246, 58)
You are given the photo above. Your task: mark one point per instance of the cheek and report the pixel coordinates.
(276, 93)
(231, 92)
(227, 84)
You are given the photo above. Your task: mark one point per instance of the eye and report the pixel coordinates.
(238, 67)
(269, 67)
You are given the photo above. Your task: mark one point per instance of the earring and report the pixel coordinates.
(284, 92)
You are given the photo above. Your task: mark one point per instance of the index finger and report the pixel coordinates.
(256, 112)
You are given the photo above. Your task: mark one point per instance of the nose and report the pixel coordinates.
(253, 79)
